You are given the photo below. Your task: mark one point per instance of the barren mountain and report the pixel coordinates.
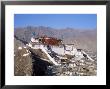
(84, 39)
(28, 61)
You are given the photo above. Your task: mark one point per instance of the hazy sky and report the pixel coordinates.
(78, 21)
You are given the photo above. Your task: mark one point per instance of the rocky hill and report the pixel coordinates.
(34, 62)
(84, 39)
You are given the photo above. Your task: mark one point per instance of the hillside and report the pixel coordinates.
(34, 62)
(40, 61)
(84, 39)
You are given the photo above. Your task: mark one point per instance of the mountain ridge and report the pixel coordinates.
(86, 39)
